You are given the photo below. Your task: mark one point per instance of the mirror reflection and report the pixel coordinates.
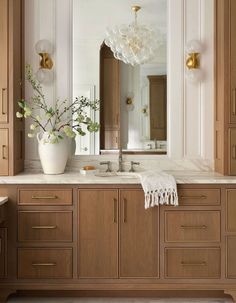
(119, 57)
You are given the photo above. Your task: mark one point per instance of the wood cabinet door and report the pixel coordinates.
(3, 60)
(232, 151)
(158, 104)
(98, 233)
(231, 257)
(139, 236)
(233, 61)
(4, 162)
(3, 235)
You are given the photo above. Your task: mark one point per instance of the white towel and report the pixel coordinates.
(159, 188)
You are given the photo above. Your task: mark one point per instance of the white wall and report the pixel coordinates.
(190, 107)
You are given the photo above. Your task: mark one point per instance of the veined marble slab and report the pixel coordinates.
(3, 200)
(182, 177)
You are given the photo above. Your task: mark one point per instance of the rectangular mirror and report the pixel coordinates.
(120, 58)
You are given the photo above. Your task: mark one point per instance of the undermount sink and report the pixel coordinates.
(127, 175)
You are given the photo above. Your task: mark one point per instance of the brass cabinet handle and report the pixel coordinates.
(115, 210)
(193, 226)
(4, 147)
(3, 90)
(125, 210)
(44, 227)
(233, 152)
(44, 264)
(44, 197)
(193, 197)
(234, 101)
(194, 264)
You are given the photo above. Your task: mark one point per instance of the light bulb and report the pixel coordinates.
(44, 76)
(194, 75)
(44, 46)
(193, 46)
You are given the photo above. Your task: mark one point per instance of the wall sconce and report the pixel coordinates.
(130, 103)
(44, 49)
(193, 50)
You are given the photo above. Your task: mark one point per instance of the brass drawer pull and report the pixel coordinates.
(193, 197)
(44, 197)
(194, 264)
(115, 211)
(233, 152)
(44, 264)
(3, 111)
(4, 147)
(44, 227)
(124, 210)
(234, 101)
(193, 226)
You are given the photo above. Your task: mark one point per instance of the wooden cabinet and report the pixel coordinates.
(107, 241)
(225, 107)
(139, 236)
(3, 252)
(55, 226)
(41, 263)
(98, 234)
(110, 99)
(3, 61)
(158, 105)
(192, 226)
(11, 89)
(192, 263)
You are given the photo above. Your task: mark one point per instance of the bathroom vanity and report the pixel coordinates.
(93, 234)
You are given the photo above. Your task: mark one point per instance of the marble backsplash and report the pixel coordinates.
(146, 163)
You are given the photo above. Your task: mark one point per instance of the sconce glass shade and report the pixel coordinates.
(44, 46)
(193, 46)
(44, 76)
(194, 75)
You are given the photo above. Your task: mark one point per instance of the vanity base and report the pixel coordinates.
(119, 291)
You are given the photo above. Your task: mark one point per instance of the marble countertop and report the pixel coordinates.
(3, 200)
(182, 177)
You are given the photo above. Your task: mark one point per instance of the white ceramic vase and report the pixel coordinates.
(53, 156)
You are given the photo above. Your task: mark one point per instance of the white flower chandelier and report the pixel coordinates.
(133, 44)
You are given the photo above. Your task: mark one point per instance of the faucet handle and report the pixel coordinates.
(108, 163)
(132, 166)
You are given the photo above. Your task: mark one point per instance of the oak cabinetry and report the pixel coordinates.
(225, 108)
(192, 263)
(40, 263)
(192, 226)
(45, 233)
(98, 233)
(139, 236)
(11, 69)
(110, 97)
(158, 105)
(45, 226)
(100, 238)
(3, 252)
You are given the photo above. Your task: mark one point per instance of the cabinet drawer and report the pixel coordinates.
(44, 263)
(199, 196)
(45, 226)
(3, 243)
(195, 263)
(192, 226)
(45, 197)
